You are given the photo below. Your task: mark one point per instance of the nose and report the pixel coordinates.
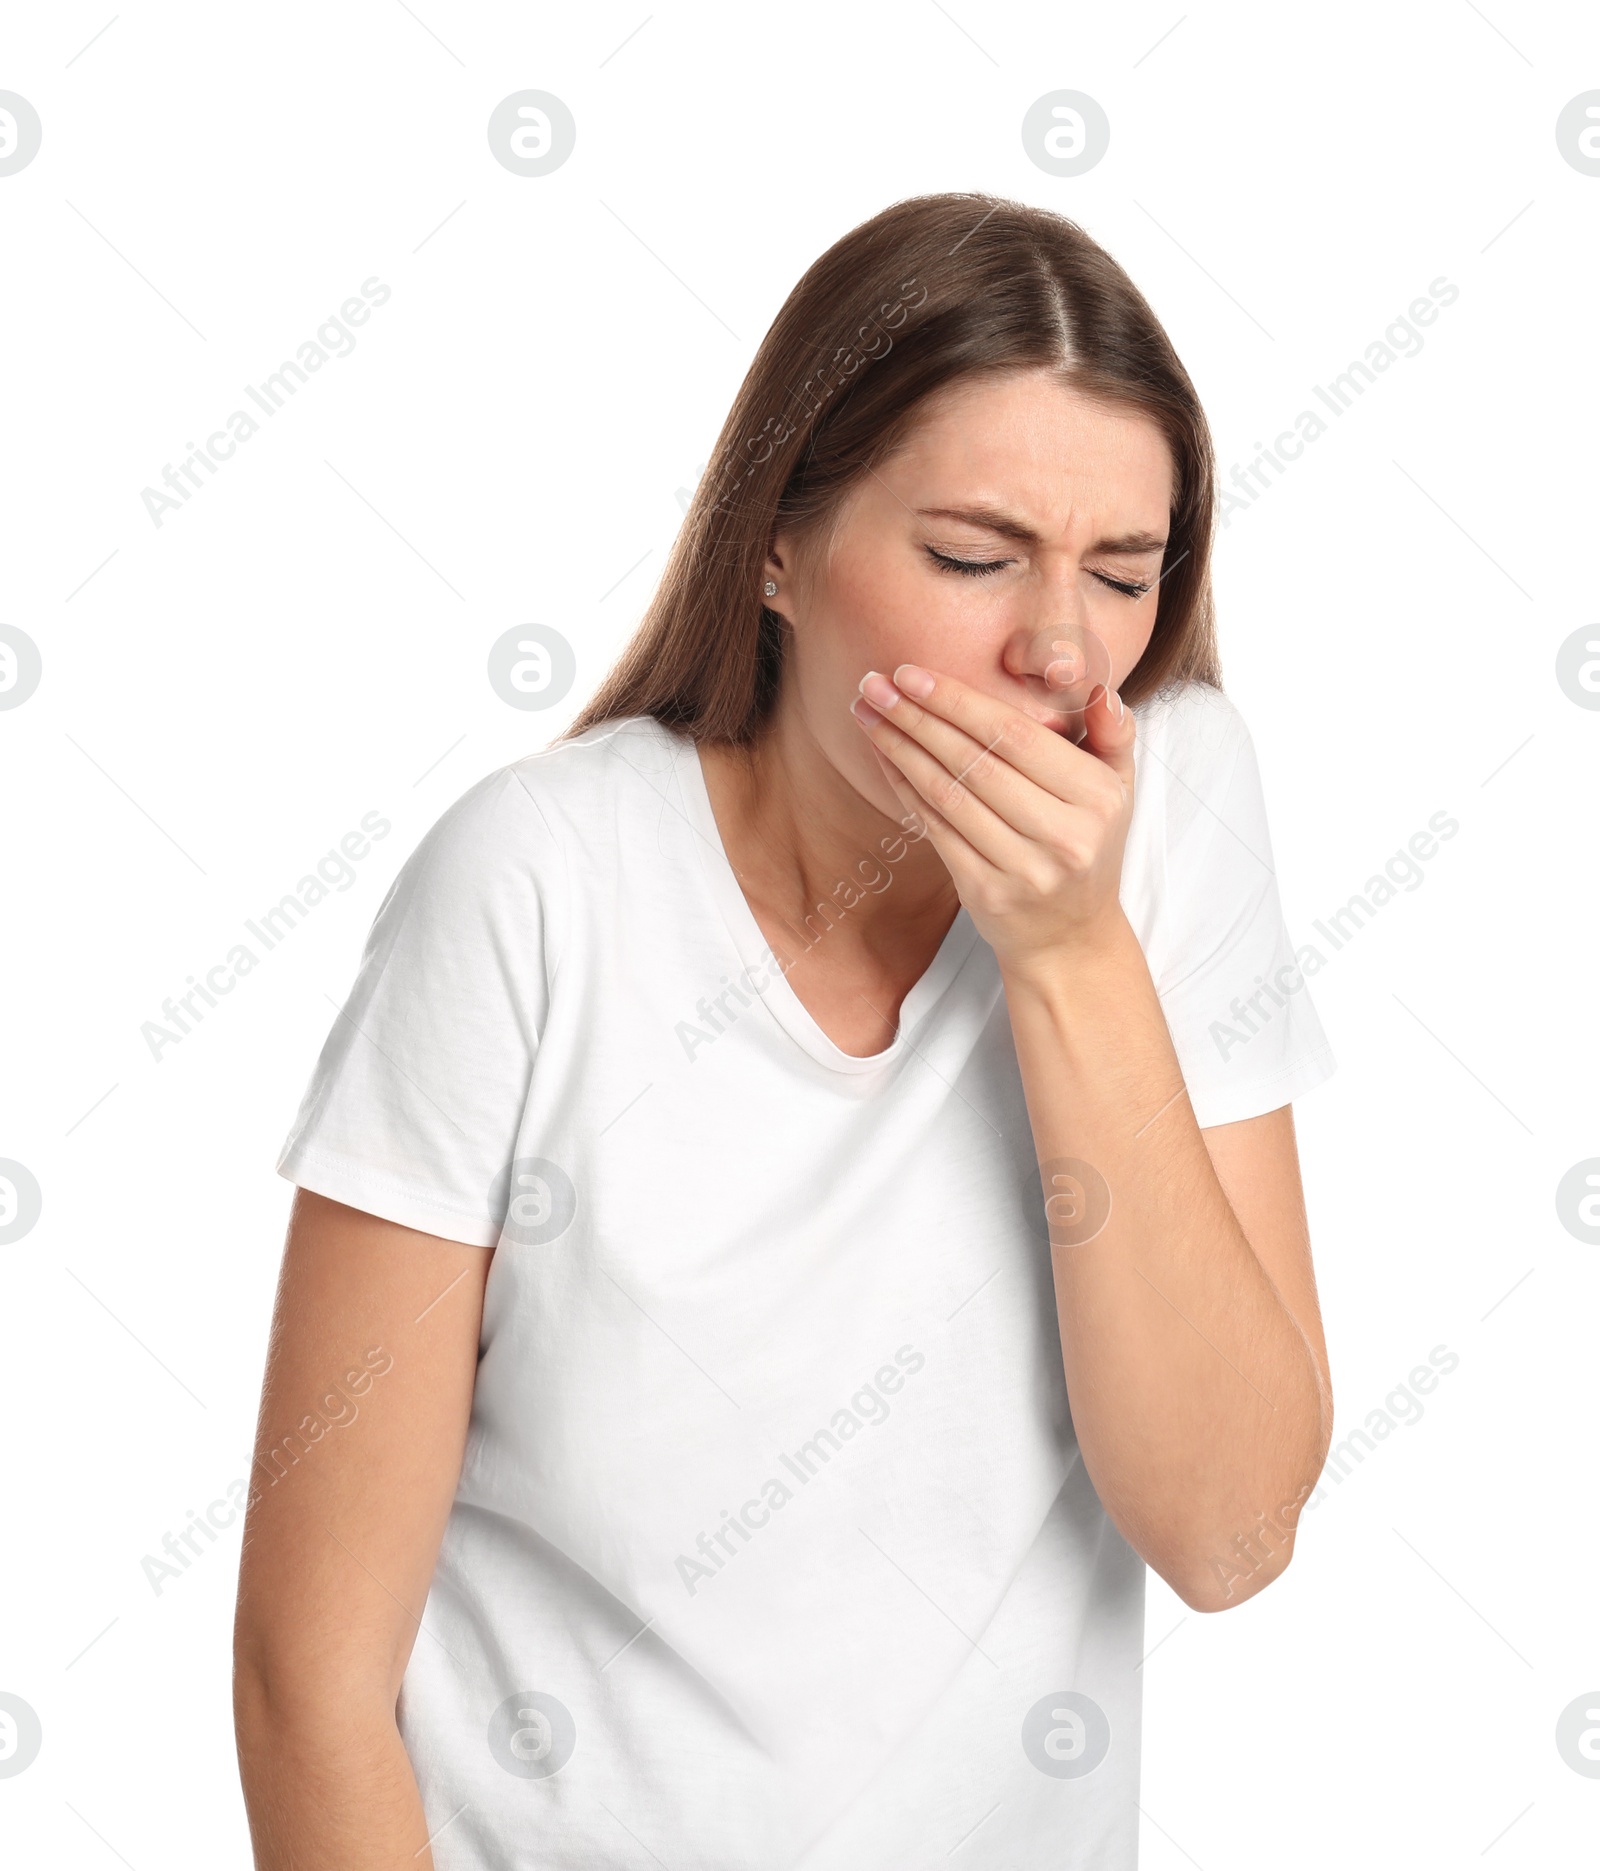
(1062, 663)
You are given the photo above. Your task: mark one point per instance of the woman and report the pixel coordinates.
(803, 1192)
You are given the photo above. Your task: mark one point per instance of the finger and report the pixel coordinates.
(928, 752)
(959, 857)
(941, 791)
(1024, 771)
(1110, 732)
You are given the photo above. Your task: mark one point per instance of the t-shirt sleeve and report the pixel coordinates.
(1236, 1001)
(414, 1107)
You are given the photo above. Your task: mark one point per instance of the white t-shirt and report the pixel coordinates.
(773, 1545)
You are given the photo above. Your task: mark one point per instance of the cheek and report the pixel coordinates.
(883, 614)
(1126, 634)
(873, 610)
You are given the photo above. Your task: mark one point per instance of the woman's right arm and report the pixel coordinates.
(363, 1424)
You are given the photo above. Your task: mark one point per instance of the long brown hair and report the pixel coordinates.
(931, 290)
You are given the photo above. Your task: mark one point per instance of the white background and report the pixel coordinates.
(225, 695)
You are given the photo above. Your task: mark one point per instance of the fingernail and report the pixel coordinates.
(864, 712)
(879, 689)
(914, 681)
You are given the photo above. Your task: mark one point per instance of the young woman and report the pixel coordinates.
(801, 1206)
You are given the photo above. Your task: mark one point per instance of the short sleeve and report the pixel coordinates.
(418, 1094)
(1236, 1001)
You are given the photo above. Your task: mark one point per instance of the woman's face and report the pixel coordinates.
(1017, 515)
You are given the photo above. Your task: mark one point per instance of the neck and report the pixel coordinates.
(798, 834)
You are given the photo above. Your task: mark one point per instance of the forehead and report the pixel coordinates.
(1029, 439)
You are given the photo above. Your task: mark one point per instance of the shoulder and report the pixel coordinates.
(1194, 749)
(1194, 723)
(525, 818)
(581, 785)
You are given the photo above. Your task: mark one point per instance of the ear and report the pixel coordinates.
(779, 569)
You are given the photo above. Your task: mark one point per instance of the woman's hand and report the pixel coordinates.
(1030, 826)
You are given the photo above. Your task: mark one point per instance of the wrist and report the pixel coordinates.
(1091, 960)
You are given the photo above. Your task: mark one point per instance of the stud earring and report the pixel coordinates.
(770, 588)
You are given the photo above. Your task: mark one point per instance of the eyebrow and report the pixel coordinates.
(997, 520)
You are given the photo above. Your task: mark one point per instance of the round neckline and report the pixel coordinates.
(755, 952)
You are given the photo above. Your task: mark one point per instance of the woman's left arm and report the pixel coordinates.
(1190, 1332)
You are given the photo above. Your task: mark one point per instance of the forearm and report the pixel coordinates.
(1197, 1400)
(327, 1785)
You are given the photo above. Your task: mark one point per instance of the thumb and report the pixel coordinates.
(1109, 731)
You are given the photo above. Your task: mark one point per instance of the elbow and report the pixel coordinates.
(273, 1694)
(1217, 1566)
(1219, 1570)
(1228, 1579)
(285, 1686)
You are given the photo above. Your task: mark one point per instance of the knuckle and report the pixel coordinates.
(948, 794)
(1074, 851)
(1013, 737)
(1103, 802)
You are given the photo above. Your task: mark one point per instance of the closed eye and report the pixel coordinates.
(1127, 586)
(967, 568)
(981, 568)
